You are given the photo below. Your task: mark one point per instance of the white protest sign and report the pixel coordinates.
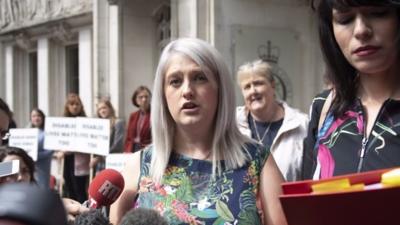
(60, 133)
(27, 139)
(93, 135)
(116, 161)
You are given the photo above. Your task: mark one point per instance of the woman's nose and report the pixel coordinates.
(362, 28)
(187, 89)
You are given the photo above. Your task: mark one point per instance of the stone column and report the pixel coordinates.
(9, 59)
(85, 70)
(43, 56)
(114, 57)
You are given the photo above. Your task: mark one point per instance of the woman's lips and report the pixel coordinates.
(366, 50)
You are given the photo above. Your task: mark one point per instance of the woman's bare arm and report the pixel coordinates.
(270, 189)
(131, 175)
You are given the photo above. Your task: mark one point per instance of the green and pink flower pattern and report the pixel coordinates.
(189, 195)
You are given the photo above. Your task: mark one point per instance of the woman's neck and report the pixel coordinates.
(193, 143)
(273, 112)
(379, 87)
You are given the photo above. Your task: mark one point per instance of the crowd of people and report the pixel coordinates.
(195, 157)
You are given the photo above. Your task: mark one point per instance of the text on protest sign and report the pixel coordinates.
(27, 139)
(80, 134)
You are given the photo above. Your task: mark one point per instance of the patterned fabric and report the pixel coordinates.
(338, 146)
(189, 195)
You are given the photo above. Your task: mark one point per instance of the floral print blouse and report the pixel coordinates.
(342, 146)
(189, 195)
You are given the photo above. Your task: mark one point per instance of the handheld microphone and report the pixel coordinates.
(105, 188)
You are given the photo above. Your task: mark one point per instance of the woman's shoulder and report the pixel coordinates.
(119, 122)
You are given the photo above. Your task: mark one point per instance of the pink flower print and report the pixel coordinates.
(160, 190)
(181, 212)
(160, 208)
(326, 160)
(145, 184)
(360, 119)
(338, 122)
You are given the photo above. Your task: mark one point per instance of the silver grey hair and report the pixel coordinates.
(228, 143)
(258, 67)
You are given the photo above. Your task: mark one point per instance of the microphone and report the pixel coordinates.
(105, 188)
(92, 217)
(143, 216)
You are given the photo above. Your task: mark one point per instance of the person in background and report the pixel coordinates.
(358, 125)
(138, 133)
(5, 119)
(105, 110)
(76, 165)
(271, 122)
(43, 163)
(26, 165)
(200, 169)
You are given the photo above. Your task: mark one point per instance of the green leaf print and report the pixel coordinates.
(185, 192)
(249, 217)
(224, 212)
(246, 200)
(206, 213)
(219, 221)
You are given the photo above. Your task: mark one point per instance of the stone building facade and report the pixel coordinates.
(106, 48)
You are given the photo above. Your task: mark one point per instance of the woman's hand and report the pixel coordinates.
(73, 208)
(59, 155)
(94, 161)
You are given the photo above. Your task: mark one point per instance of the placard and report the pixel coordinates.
(27, 139)
(93, 135)
(78, 134)
(60, 133)
(116, 161)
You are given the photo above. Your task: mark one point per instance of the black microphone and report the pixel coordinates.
(143, 216)
(92, 217)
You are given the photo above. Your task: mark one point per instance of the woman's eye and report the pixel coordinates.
(200, 77)
(379, 12)
(343, 20)
(174, 82)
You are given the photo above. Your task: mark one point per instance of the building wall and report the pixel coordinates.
(140, 49)
(241, 25)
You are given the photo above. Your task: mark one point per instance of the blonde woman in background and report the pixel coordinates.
(105, 110)
(270, 121)
(76, 165)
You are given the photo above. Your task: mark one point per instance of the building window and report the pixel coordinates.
(72, 68)
(33, 80)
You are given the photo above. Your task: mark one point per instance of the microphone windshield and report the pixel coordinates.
(106, 187)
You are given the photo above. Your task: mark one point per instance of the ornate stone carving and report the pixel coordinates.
(61, 33)
(23, 41)
(16, 14)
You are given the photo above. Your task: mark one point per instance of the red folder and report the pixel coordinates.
(366, 207)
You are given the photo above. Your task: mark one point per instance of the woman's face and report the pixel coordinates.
(367, 37)
(104, 110)
(23, 175)
(74, 107)
(143, 100)
(4, 123)
(36, 119)
(258, 92)
(191, 95)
